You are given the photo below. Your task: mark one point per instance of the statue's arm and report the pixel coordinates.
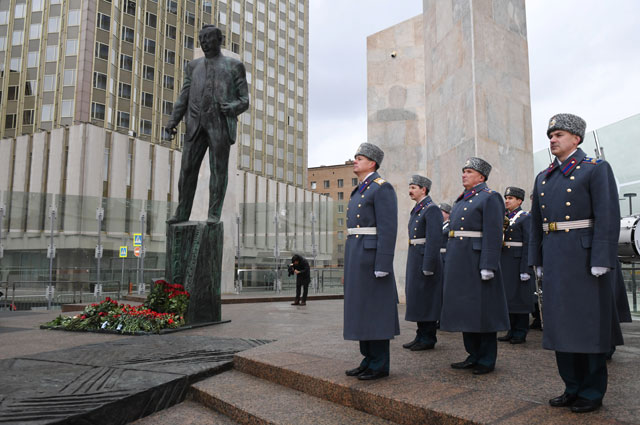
(181, 104)
(241, 103)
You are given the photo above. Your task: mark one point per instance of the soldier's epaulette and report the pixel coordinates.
(588, 160)
(486, 189)
(380, 181)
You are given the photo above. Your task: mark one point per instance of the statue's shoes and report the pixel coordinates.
(213, 219)
(174, 220)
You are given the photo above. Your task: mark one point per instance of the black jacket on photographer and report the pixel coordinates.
(299, 263)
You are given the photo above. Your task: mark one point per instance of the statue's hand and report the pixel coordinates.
(226, 108)
(170, 132)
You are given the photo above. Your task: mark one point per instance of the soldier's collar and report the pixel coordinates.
(510, 214)
(475, 189)
(570, 163)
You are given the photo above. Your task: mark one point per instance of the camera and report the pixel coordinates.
(290, 269)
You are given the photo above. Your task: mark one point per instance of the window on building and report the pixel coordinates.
(207, 7)
(71, 47)
(74, 17)
(168, 82)
(327, 184)
(340, 196)
(147, 99)
(49, 82)
(69, 77)
(341, 222)
(13, 92)
(100, 80)
(127, 34)
(15, 65)
(129, 7)
(171, 31)
(340, 208)
(188, 42)
(17, 38)
(151, 20)
(47, 112)
(104, 22)
(102, 51)
(122, 119)
(10, 121)
(35, 31)
(340, 182)
(172, 7)
(148, 72)
(354, 181)
(340, 249)
(313, 185)
(67, 108)
(189, 18)
(37, 5)
(126, 62)
(30, 88)
(167, 107)
(169, 56)
(97, 111)
(124, 90)
(145, 127)
(150, 46)
(27, 117)
(340, 235)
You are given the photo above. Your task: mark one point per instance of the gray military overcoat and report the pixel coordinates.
(471, 304)
(371, 303)
(514, 261)
(424, 293)
(579, 309)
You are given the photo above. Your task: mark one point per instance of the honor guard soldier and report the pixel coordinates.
(516, 273)
(370, 294)
(575, 225)
(474, 301)
(446, 212)
(424, 265)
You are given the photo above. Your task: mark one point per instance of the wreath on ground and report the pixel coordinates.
(164, 308)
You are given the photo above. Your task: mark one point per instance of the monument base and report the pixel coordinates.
(194, 259)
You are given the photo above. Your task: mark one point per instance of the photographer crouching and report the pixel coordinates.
(300, 267)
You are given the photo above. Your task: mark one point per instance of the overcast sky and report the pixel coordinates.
(584, 58)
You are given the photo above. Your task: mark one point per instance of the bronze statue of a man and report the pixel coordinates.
(213, 95)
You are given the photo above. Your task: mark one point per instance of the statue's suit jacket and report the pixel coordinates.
(207, 84)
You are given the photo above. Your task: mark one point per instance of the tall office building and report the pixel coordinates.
(119, 64)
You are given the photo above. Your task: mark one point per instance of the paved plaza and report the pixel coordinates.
(304, 367)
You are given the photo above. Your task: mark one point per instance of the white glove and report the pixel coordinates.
(381, 274)
(538, 270)
(599, 271)
(486, 274)
(427, 273)
(525, 276)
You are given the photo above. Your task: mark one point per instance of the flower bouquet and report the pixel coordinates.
(164, 308)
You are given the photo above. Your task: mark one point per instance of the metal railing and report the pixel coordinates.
(323, 280)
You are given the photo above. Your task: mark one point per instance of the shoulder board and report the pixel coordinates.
(380, 180)
(588, 160)
(486, 189)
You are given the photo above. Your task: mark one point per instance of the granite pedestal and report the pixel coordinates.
(194, 259)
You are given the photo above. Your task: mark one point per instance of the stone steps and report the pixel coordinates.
(186, 413)
(247, 399)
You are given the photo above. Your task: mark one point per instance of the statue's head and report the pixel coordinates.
(211, 39)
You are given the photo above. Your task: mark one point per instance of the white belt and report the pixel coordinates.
(567, 225)
(443, 250)
(464, 234)
(362, 231)
(512, 243)
(420, 241)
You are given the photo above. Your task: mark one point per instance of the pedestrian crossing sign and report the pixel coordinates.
(123, 252)
(137, 239)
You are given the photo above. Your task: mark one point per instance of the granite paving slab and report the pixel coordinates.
(112, 382)
(186, 413)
